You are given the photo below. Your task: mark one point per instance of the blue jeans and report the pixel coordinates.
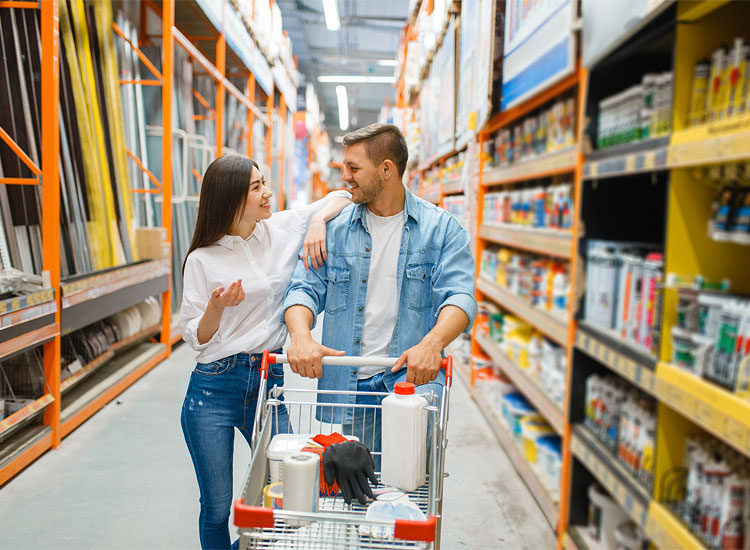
(222, 396)
(366, 422)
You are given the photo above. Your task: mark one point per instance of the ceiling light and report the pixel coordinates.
(387, 62)
(355, 79)
(343, 100)
(331, 10)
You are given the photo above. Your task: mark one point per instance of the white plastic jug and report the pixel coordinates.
(404, 437)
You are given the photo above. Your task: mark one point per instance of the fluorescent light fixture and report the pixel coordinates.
(331, 10)
(356, 79)
(387, 62)
(343, 100)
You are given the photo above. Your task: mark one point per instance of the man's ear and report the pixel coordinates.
(389, 169)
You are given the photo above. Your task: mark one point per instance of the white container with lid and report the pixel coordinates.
(404, 436)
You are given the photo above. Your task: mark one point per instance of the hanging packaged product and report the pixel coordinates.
(699, 94)
(738, 75)
(716, 83)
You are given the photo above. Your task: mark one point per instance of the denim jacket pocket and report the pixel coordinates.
(216, 367)
(337, 295)
(419, 286)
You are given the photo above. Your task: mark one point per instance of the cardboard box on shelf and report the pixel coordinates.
(151, 243)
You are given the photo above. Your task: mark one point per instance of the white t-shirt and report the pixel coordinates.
(381, 303)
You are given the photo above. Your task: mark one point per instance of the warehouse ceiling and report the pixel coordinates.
(369, 32)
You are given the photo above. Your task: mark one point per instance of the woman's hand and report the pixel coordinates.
(232, 296)
(314, 250)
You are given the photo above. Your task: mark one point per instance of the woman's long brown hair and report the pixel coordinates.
(223, 196)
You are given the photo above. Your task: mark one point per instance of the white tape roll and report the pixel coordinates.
(301, 484)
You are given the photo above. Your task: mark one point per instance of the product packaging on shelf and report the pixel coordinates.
(721, 85)
(712, 338)
(624, 420)
(622, 292)
(716, 504)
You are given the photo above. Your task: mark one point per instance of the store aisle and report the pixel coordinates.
(124, 480)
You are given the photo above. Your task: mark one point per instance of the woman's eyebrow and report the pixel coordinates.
(253, 182)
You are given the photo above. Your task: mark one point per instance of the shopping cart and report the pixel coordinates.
(337, 525)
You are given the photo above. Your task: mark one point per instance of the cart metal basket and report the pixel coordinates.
(337, 525)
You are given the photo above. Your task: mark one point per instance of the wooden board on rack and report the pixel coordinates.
(549, 325)
(549, 242)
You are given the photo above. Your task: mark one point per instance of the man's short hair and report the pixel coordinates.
(381, 141)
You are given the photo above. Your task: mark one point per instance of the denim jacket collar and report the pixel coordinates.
(410, 205)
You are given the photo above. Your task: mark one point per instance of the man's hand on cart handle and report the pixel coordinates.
(305, 355)
(422, 361)
(351, 465)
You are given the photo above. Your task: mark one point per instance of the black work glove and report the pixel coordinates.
(351, 465)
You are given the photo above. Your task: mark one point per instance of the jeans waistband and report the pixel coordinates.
(254, 359)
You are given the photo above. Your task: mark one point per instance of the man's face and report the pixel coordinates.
(361, 175)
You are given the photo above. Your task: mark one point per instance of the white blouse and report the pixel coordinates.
(265, 262)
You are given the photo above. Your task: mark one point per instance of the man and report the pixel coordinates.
(398, 281)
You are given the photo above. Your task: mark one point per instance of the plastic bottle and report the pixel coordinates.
(404, 436)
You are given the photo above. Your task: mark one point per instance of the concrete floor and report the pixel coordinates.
(124, 480)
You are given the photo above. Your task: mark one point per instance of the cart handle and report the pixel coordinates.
(263, 518)
(352, 361)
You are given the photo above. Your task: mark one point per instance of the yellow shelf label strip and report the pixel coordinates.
(609, 474)
(639, 374)
(715, 409)
(666, 531)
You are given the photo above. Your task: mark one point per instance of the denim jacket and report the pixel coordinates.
(435, 269)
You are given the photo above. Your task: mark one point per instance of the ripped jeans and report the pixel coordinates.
(222, 396)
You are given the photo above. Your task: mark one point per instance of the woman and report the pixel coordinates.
(235, 275)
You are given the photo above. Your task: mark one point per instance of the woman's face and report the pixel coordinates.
(258, 204)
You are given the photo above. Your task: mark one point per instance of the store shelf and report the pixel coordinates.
(631, 363)
(453, 186)
(546, 502)
(714, 143)
(552, 327)
(86, 300)
(628, 159)
(613, 476)
(536, 395)
(724, 414)
(22, 448)
(29, 339)
(544, 166)
(109, 380)
(432, 193)
(629, 34)
(10, 305)
(19, 418)
(21, 320)
(666, 531)
(175, 334)
(577, 538)
(549, 242)
(87, 369)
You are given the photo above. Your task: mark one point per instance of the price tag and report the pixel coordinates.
(472, 123)
(74, 367)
